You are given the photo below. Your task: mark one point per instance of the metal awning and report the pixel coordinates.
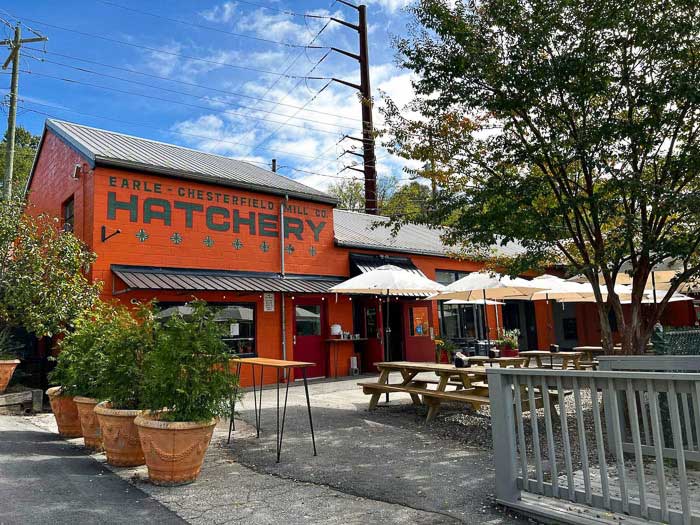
(362, 263)
(150, 278)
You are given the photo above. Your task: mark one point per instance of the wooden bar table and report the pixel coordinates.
(567, 358)
(279, 365)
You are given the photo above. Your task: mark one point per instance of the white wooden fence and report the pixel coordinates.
(625, 441)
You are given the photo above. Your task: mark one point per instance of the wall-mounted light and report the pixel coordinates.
(77, 171)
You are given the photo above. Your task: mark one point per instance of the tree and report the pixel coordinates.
(43, 285)
(409, 203)
(350, 194)
(569, 126)
(26, 145)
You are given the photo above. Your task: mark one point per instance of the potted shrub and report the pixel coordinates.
(8, 360)
(509, 343)
(76, 372)
(187, 385)
(127, 339)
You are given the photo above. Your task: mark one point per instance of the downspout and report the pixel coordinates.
(283, 310)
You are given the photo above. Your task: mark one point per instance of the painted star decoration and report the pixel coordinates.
(141, 235)
(264, 246)
(289, 249)
(312, 251)
(237, 244)
(208, 241)
(176, 238)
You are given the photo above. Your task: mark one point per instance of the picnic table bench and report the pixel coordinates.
(470, 385)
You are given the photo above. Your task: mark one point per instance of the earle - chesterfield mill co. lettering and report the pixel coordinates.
(220, 211)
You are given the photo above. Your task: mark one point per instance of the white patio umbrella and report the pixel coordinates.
(489, 286)
(389, 280)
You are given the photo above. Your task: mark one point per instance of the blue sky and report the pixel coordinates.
(200, 86)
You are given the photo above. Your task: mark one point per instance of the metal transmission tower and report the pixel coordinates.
(368, 155)
(15, 44)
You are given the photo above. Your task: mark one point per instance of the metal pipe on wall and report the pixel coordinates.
(283, 310)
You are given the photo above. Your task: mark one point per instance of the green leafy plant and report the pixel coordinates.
(510, 338)
(126, 339)
(8, 345)
(81, 352)
(186, 375)
(447, 346)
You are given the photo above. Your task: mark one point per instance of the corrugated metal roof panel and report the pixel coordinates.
(116, 149)
(149, 278)
(360, 230)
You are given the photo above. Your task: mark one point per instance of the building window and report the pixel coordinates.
(237, 320)
(308, 319)
(68, 215)
(446, 277)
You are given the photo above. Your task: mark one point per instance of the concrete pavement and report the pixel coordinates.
(47, 480)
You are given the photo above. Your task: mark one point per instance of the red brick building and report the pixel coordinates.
(171, 223)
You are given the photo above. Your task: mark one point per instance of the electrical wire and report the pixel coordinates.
(210, 28)
(170, 53)
(182, 82)
(158, 88)
(180, 103)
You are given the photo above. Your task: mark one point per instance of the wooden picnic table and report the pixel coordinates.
(503, 362)
(567, 358)
(591, 352)
(418, 388)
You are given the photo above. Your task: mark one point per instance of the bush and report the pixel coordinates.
(125, 342)
(187, 371)
(80, 355)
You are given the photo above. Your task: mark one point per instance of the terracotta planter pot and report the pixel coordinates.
(88, 422)
(65, 412)
(7, 368)
(120, 437)
(174, 451)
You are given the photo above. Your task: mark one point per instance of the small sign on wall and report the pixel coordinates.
(268, 302)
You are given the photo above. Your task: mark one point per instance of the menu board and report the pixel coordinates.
(419, 321)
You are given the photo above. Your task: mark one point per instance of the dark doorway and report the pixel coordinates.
(395, 316)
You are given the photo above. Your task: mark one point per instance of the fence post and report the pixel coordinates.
(503, 433)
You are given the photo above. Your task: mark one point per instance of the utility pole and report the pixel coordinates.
(15, 44)
(364, 87)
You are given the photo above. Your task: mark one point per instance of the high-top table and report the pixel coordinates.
(279, 365)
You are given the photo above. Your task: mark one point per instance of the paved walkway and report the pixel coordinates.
(46, 480)
(383, 467)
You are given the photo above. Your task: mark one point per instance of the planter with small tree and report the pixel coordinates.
(76, 371)
(187, 385)
(127, 340)
(8, 360)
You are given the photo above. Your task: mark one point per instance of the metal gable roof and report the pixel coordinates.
(150, 278)
(126, 151)
(360, 230)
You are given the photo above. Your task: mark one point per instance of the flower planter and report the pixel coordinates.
(174, 451)
(120, 436)
(65, 412)
(7, 368)
(508, 351)
(88, 422)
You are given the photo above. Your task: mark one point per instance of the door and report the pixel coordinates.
(369, 321)
(308, 335)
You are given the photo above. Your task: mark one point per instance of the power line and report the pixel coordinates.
(182, 82)
(284, 11)
(180, 103)
(148, 126)
(171, 53)
(159, 88)
(210, 28)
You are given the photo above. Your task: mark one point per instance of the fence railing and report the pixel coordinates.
(624, 441)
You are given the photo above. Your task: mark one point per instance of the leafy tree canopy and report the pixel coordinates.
(26, 145)
(43, 282)
(569, 126)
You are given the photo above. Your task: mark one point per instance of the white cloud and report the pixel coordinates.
(391, 6)
(222, 13)
(283, 27)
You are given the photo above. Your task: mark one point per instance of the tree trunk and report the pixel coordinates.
(605, 331)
